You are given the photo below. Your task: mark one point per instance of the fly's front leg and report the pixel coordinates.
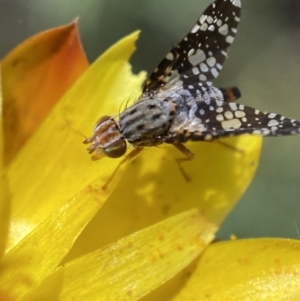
(188, 157)
(128, 157)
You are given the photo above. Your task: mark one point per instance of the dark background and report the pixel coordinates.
(264, 62)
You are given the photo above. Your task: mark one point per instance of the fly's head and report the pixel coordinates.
(107, 140)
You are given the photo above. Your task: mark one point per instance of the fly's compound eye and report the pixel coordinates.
(116, 149)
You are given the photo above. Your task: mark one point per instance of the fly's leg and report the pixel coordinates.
(188, 157)
(128, 157)
(230, 146)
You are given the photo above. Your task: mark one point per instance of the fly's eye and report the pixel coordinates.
(116, 149)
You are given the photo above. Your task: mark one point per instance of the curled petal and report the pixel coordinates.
(34, 76)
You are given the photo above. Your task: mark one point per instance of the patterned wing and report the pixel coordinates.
(210, 120)
(200, 56)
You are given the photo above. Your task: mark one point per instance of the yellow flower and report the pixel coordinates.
(56, 244)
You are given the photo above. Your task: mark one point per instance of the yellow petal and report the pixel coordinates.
(4, 210)
(54, 165)
(35, 76)
(42, 250)
(256, 269)
(133, 266)
(4, 193)
(153, 188)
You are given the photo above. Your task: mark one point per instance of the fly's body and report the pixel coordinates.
(155, 119)
(179, 102)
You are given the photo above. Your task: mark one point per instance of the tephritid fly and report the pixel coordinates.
(187, 106)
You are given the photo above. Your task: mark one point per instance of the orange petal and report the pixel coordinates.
(54, 165)
(35, 75)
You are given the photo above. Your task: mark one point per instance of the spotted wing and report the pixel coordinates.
(216, 119)
(200, 56)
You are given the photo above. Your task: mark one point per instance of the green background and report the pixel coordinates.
(264, 62)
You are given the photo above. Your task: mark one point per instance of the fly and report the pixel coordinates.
(180, 103)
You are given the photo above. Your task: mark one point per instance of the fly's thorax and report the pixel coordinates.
(145, 121)
(106, 140)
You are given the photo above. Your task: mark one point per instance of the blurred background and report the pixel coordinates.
(264, 62)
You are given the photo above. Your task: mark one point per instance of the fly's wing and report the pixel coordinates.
(216, 119)
(200, 56)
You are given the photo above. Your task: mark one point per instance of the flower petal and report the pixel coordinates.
(133, 266)
(35, 75)
(256, 269)
(54, 165)
(4, 211)
(39, 253)
(219, 175)
(153, 188)
(4, 192)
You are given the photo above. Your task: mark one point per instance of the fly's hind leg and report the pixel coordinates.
(188, 157)
(227, 145)
(230, 146)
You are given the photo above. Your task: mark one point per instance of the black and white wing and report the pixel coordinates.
(199, 57)
(209, 120)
